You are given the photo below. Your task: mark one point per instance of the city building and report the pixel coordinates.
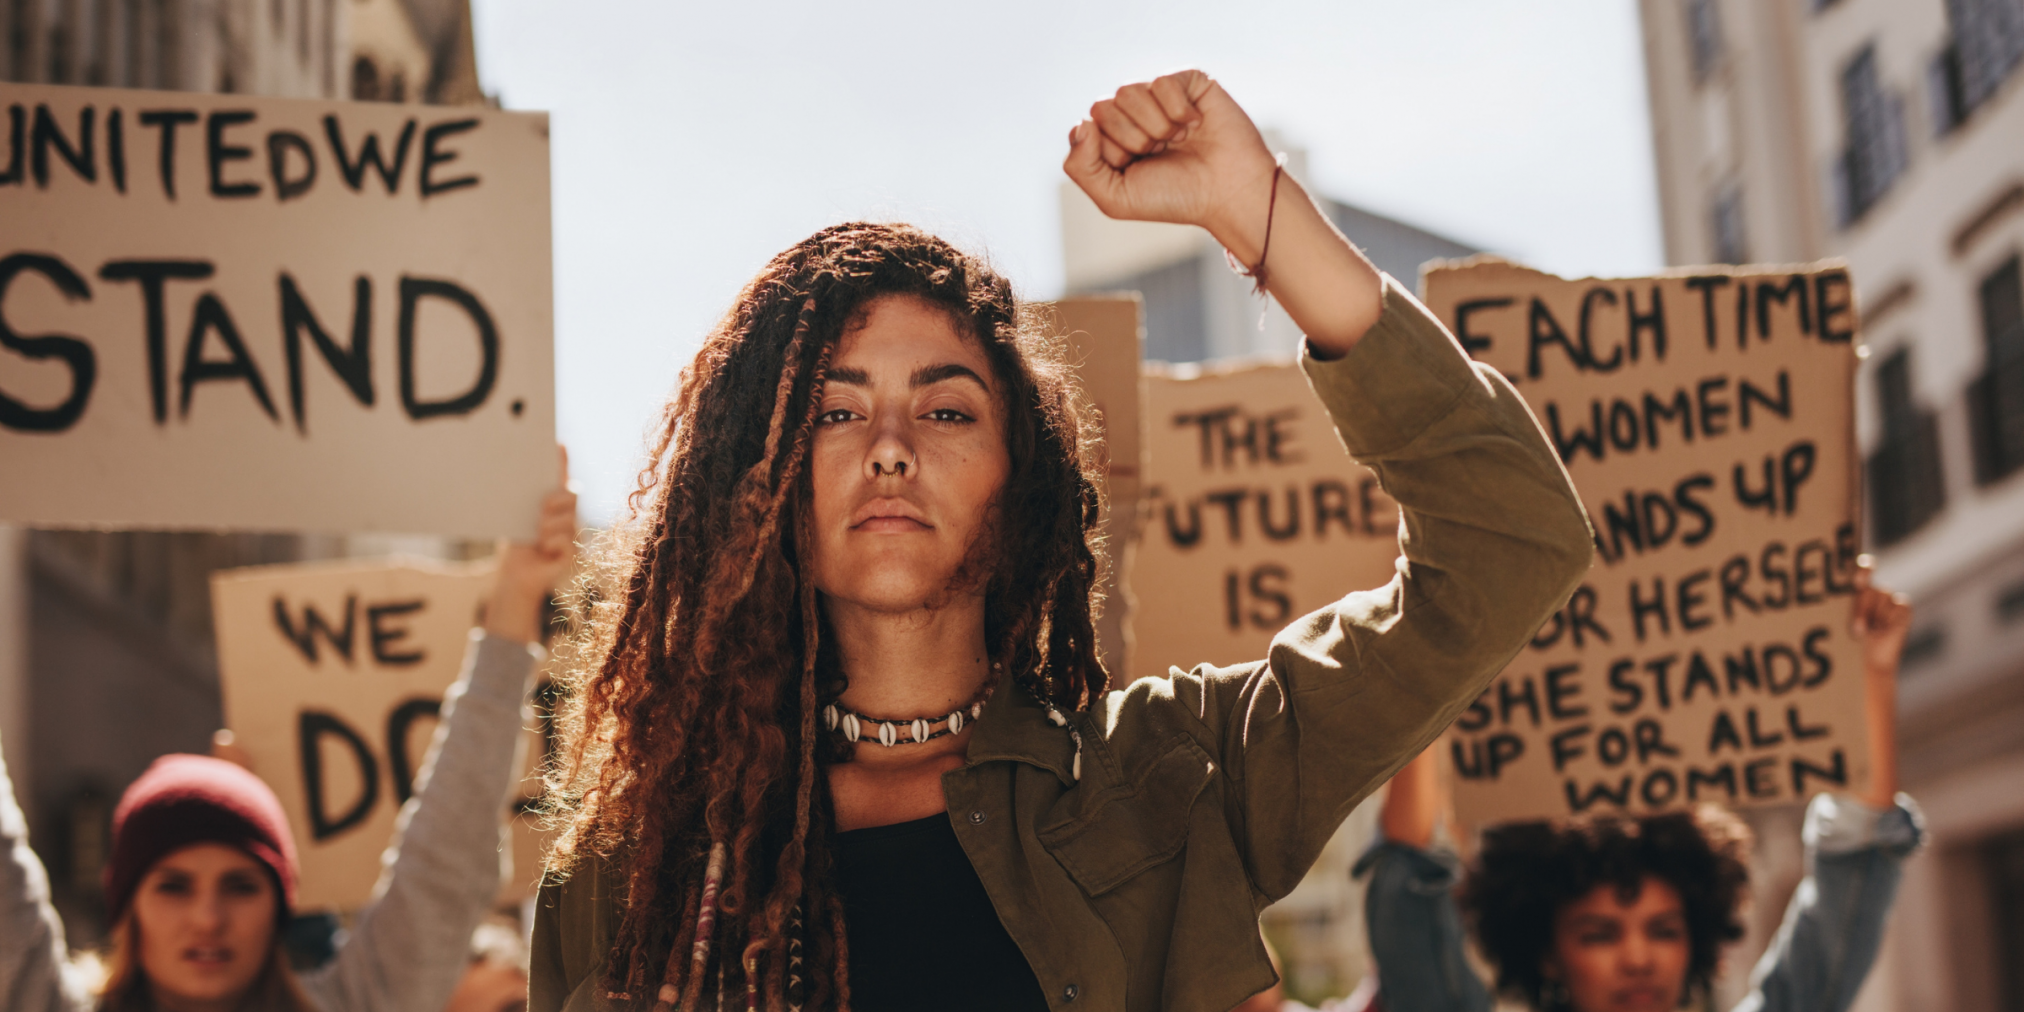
(1891, 133)
(106, 653)
(1198, 309)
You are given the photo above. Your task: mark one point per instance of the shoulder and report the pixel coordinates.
(576, 919)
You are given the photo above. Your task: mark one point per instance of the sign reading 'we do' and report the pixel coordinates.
(223, 311)
(1707, 420)
(333, 676)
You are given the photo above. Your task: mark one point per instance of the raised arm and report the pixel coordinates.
(1492, 535)
(1416, 939)
(412, 943)
(1855, 847)
(35, 971)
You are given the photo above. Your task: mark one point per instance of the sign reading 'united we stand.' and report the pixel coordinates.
(224, 311)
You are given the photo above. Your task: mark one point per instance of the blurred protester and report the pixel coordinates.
(496, 980)
(841, 737)
(203, 870)
(1629, 914)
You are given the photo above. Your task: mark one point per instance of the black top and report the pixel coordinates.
(923, 933)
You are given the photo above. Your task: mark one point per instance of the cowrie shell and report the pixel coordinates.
(829, 716)
(920, 729)
(956, 722)
(850, 726)
(888, 735)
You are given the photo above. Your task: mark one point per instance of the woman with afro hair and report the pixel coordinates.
(838, 736)
(1616, 913)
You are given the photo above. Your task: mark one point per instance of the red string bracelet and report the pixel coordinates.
(1257, 274)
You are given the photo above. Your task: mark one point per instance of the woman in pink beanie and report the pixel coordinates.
(204, 866)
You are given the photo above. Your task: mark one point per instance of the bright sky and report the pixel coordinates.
(692, 141)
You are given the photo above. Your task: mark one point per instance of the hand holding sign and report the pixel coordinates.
(530, 571)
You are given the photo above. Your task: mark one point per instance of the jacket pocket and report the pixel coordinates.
(1135, 825)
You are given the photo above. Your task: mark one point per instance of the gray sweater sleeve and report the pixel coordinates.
(35, 970)
(410, 945)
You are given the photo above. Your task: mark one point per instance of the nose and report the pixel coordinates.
(891, 454)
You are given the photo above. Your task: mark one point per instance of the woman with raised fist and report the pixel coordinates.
(1629, 913)
(839, 736)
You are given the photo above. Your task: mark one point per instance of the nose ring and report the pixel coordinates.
(899, 468)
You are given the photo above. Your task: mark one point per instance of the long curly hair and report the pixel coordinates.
(690, 732)
(1527, 872)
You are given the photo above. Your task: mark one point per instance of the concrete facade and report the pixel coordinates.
(1891, 133)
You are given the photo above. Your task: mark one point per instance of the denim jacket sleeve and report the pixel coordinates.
(1834, 924)
(1415, 931)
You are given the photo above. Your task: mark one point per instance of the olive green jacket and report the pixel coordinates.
(1206, 795)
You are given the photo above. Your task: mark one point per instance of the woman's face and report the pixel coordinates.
(908, 458)
(206, 917)
(1614, 956)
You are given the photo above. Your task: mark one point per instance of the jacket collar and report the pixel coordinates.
(1014, 727)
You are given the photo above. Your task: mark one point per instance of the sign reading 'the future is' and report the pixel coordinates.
(1707, 420)
(225, 311)
(1253, 514)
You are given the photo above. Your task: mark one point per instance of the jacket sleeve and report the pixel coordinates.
(1415, 931)
(413, 941)
(35, 970)
(1834, 923)
(1492, 539)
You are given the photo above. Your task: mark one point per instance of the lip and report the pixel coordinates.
(889, 516)
(208, 956)
(1641, 997)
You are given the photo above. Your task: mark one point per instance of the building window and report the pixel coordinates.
(1704, 29)
(1873, 121)
(1923, 647)
(2010, 603)
(1905, 484)
(1985, 42)
(1996, 398)
(365, 80)
(1727, 214)
(1176, 311)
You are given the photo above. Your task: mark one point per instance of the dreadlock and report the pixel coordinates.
(692, 755)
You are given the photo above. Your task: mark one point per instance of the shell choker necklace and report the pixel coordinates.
(912, 731)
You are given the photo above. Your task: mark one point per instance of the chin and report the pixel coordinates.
(894, 592)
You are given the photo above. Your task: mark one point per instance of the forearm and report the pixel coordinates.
(1834, 924)
(35, 975)
(412, 943)
(1415, 931)
(1324, 283)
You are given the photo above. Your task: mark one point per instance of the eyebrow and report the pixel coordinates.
(927, 375)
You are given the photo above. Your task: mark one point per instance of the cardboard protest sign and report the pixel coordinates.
(1707, 420)
(1104, 344)
(333, 676)
(220, 311)
(1252, 515)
